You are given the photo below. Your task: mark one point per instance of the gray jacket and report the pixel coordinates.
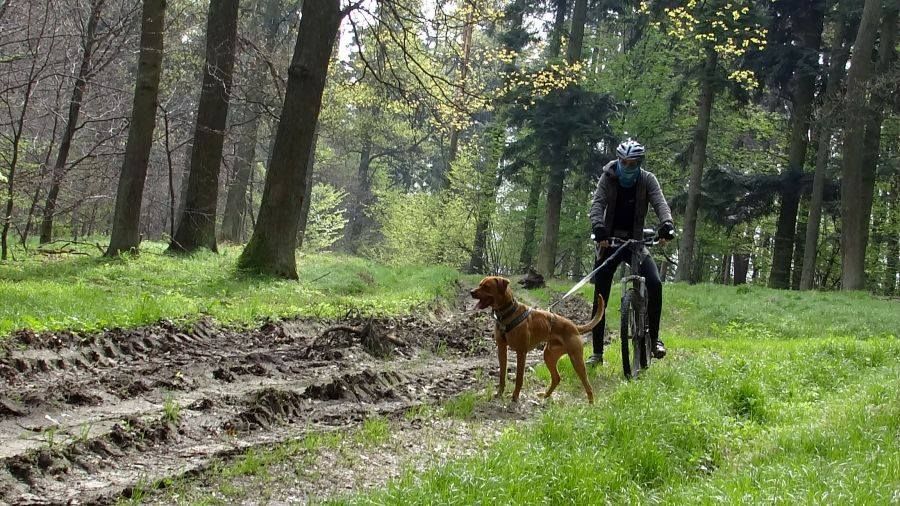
(648, 192)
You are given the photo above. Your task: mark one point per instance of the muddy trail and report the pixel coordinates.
(83, 418)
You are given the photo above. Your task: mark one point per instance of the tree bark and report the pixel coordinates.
(271, 249)
(809, 19)
(698, 160)
(65, 145)
(197, 224)
(126, 220)
(798, 255)
(556, 182)
(854, 226)
(725, 276)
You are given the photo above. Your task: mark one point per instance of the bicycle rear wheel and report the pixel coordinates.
(634, 348)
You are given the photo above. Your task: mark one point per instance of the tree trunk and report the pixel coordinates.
(810, 35)
(488, 182)
(546, 262)
(18, 129)
(271, 249)
(892, 267)
(526, 257)
(698, 159)
(556, 183)
(234, 216)
(879, 99)
(741, 266)
(127, 217)
(555, 44)
(798, 255)
(307, 195)
(840, 52)
(443, 178)
(65, 144)
(197, 225)
(854, 227)
(360, 199)
(726, 269)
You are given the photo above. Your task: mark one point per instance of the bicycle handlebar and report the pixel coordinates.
(618, 242)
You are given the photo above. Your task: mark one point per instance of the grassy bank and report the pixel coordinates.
(87, 293)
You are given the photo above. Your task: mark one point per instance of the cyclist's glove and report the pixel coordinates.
(600, 233)
(666, 231)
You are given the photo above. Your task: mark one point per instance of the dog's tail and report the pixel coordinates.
(601, 309)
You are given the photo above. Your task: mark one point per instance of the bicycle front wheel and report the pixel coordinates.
(632, 336)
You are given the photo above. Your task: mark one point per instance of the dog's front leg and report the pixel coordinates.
(501, 357)
(520, 374)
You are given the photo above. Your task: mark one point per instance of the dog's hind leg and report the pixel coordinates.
(577, 358)
(552, 352)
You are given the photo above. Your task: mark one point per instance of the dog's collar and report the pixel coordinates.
(508, 310)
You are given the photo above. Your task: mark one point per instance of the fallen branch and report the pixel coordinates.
(61, 252)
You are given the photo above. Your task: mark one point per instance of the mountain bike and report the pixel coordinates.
(637, 347)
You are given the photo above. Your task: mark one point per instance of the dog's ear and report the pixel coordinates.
(502, 284)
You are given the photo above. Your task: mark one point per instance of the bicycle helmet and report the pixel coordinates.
(630, 150)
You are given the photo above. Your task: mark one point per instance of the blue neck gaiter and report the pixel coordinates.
(627, 175)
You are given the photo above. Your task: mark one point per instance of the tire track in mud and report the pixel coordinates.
(85, 417)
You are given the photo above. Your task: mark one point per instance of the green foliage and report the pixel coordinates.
(426, 228)
(326, 221)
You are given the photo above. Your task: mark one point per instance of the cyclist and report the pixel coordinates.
(618, 210)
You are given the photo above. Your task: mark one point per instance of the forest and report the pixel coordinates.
(462, 133)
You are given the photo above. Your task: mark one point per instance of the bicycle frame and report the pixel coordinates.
(636, 310)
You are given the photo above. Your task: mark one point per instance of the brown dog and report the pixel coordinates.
(522, 329)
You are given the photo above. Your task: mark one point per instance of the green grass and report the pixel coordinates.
(374, 431)
(89, 293)
(767, 396)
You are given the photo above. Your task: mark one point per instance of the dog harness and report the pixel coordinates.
(508, 310)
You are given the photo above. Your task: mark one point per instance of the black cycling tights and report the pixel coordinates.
(603, 282)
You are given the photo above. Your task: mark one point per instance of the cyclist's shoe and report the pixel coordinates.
(659, 351)
(594, 360)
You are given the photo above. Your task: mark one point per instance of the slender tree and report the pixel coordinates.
(550, 239)
(839, 53)
(197, 225)
(127, 218)
(698, 161)
(854, 218)
(807, 21)
(235, 213)
(88, 45)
